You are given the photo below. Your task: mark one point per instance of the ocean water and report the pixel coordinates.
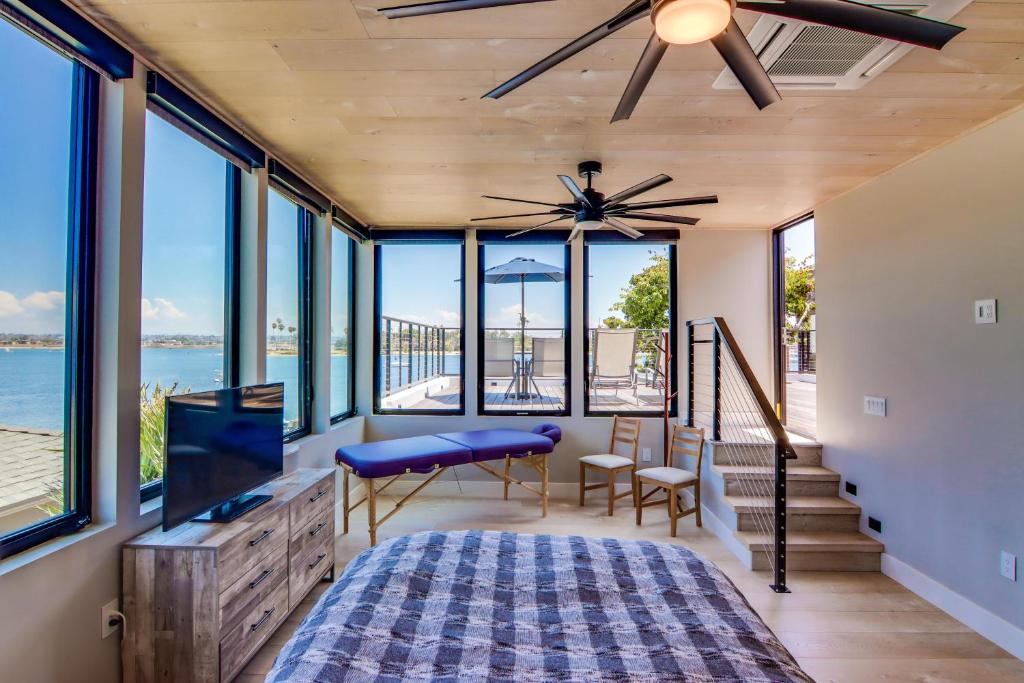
(32, 380)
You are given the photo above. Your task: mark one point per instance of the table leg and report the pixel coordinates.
(371, 512)
(344, 497)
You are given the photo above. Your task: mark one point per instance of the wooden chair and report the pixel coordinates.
(626, 431)
(685, 441)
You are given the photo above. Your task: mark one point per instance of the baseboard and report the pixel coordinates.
(995, 628)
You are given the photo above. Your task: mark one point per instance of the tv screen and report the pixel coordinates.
(219, 445)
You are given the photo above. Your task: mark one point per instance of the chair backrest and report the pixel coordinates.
(548, 357)
(614, 352)
(625, 431)
(687, 441)
(499, 358)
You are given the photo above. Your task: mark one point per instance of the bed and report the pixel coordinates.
(500, 606)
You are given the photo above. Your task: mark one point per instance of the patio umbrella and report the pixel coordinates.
(523, 270)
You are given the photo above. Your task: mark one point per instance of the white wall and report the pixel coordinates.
(900, 262)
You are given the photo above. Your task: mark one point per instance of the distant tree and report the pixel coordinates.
(644, 303)
(291, 329)
(800, 303)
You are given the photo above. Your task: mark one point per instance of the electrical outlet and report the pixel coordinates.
(1008, 565)
(875, 524)
(985, 312)
(851, 488)
(109, 614)
(645, 454)
(874, 405)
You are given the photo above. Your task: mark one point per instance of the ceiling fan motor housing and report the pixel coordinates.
(587, 169)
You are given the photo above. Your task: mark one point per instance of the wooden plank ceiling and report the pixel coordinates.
(387, 117)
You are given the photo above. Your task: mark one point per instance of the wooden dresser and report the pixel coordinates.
(201, 599)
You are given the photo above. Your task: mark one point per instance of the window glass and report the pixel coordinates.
(285, 337)
(419, 353)
(341, 323)
(183, 263)
(524, 355)
(629, 307)
(35, 136)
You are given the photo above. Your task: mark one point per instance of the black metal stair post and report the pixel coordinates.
(780, 519)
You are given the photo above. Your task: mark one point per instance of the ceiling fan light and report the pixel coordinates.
(683, 22)
(589, 225)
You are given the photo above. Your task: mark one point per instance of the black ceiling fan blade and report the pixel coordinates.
(737, 53)
(424, 8)
(623, 228)
(876, 21)
(645, 69)
(669, 203)
(523, 232)
(561, 212)
(645, 186)
(659, 218)
(638, 9)
(571, 185)
(522, 201)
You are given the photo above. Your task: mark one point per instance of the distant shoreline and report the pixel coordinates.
(183, 347)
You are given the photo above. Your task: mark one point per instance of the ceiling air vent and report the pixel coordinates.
(800, 55)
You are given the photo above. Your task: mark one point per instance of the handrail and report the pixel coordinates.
(776, 454)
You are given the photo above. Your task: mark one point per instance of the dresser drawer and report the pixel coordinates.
(253, 587)
(312, 533)
(306, 569)
(312, 502)
(257, 625)
(246, 549)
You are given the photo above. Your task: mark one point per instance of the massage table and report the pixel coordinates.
(395, 458)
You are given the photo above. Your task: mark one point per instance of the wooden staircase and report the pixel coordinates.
(822, 528)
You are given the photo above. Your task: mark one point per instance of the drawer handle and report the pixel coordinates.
(259, 539)
(261, 578)
(318, 529)
(318, 560)
(319, 494)
(263, 619)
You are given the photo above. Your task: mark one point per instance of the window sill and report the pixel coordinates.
(50, 547)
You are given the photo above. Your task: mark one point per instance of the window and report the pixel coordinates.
(288, 354)
(184, 278)
(342, 361)
(629, 292)
(524, 309)
(48, 132)
(418, 362)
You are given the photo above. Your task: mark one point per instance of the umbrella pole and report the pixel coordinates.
(523, 386)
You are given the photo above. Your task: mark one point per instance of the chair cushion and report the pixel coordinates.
(607, 461)
(667, 475)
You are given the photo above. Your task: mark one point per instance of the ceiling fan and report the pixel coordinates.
(591, 210)
(683, 22)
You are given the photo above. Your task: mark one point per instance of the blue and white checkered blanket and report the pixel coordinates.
(491, 606)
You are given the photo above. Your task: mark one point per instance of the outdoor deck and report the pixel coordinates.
(550, 398)
(801, 406)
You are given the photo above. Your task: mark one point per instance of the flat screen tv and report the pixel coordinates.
(218, 446)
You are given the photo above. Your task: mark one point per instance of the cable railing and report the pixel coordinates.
(412, 353)
(726, 399)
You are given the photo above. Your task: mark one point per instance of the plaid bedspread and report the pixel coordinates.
(482, 605)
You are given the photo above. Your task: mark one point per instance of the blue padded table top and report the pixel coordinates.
(396, 456)
(495, 444)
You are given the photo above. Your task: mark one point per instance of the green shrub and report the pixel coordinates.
(151, 430)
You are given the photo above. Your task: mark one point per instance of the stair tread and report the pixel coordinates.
(825, 505)
(793, 472)
(815, 541)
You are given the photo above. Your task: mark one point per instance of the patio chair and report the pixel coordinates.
(685, 441)
(614, 360)
(655, 373)
(500, 361)
(548, 360)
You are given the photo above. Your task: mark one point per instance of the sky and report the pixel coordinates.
(33, 184)
(799, 240)
(282, 262)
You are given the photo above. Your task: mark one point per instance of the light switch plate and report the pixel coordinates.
(1008, 565)
(874, 405)
(645, 454)
(985, 312)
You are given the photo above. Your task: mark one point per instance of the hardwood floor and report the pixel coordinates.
(842, 627)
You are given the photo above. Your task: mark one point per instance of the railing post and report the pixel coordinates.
(716, 384)
(689, 375)
(408, 374)
(780, 520)
(387, 357)
(444, 347)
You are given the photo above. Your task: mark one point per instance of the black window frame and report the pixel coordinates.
(669, 238)
(382, 237)
(485, 237)
(336, 418)
(79, 319)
